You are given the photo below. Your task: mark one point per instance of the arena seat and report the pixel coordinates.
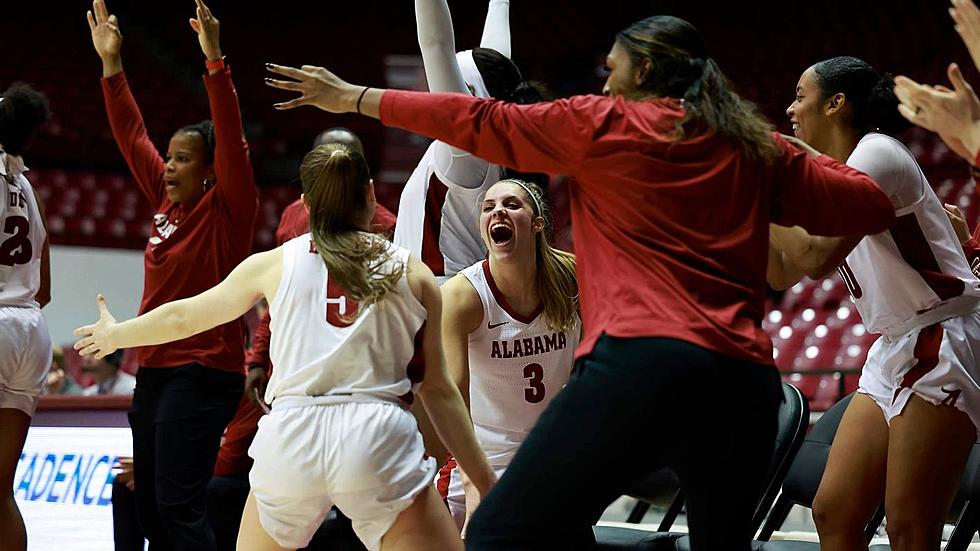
(794, 415)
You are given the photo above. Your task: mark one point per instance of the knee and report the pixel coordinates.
(910, 529)
(833, 518)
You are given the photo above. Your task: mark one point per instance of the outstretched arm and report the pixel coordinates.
(254, 278)
(496, 29)
(439, 394)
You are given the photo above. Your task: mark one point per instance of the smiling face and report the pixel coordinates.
(507, 221)
(187, 168)
(809, 111)
(624, 75)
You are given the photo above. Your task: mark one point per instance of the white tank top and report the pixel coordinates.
(321, 358)
(517, 365)
(22, 237)
(438, 220)
(914, 274)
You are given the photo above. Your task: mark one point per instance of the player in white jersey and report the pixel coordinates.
(438, 209)
(510, 326)
(905, 437)
(346, 309)
(25, 287)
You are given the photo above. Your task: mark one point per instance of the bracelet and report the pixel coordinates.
(359, 98)
(216, 64)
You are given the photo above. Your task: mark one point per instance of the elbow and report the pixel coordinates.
(821, 270)
(43, 298)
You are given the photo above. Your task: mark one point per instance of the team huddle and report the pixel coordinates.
(468, 333)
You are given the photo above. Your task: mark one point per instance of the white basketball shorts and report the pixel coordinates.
(938, 363)
(26, 357)
(366, 458)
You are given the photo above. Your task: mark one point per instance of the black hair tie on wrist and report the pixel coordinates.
(359, 98)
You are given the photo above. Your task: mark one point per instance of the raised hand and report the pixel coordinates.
(317, 87)
(967, 23)
(954, 113)
(105, 35)
(96, 338)
(206, 27)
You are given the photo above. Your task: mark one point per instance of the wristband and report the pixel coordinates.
(252, 366)
(359, 98)
(216, 64)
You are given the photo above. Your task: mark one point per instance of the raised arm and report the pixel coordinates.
(235, 180)
(125, 118)
(496, 29)
(549, 137)
(439, 394)
(254, 278)
(438, 44)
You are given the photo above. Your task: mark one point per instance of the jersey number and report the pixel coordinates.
(17, 248)
(534, 392)
(341, 309)
(849, 280)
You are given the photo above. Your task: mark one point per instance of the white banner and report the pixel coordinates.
(63, 486)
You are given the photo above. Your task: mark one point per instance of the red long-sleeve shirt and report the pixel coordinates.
(671, 237)
(294, 222)
(191, 249)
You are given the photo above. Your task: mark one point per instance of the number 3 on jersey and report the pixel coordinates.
(534, 392)
(17, 248)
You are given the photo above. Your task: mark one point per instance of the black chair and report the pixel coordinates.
(801, 483)
(794, 414)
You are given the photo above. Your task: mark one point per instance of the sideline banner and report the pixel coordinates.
(63, 486)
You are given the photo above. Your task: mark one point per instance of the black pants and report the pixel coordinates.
(631, 407)
(178, 417)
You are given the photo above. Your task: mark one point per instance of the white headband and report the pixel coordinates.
(526, 190)
(471, 74)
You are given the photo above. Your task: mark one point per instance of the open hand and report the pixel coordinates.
(966, 17)
(96, 338)
(206, 26)
(105, 31)
(317, 87)
(949, 112)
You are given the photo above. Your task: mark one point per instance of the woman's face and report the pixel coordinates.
(507, 220)
(623, 77)
(808, 112)
(186, 168)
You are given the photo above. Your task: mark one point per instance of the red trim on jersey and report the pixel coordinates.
(416, 366)
(926, 354)
(914, 247)
(435, 198)
(502, 300)
(445, 477)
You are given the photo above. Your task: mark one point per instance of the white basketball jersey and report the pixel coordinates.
(22, 237)
(517, 365)
(914, 274)
(438, 220)
(323, 355)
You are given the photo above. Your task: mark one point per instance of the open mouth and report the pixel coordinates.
(501, 233)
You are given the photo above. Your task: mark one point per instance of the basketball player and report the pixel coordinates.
(510, 327)
(905, 437)
(295, 221)
(346, 307)
(670, 214)
(25, 287)
(438, 211)
(206, 203)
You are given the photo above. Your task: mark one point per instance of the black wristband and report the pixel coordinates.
(359, 98)
(252, 366)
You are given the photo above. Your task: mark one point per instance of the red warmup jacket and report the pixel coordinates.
(672, 236)
(191, 248)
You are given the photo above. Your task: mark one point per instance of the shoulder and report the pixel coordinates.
(462, 303)
(888, 162)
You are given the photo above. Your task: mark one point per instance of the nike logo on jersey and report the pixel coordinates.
(495, 325)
